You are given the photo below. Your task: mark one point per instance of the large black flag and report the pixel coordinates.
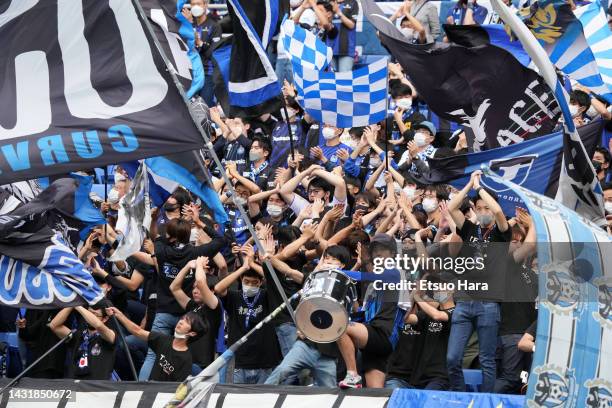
(37, 266)
(84, 89)
(252, 86)
(484, 86)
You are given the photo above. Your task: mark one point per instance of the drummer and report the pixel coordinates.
(377, 337)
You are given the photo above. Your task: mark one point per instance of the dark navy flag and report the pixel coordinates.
(483, 87)
(72, 101)
(534, 165)
(494, 34)
(253, 87)
(37, 266)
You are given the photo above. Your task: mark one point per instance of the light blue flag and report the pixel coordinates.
(572, 363)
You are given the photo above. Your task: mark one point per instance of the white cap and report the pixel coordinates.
(308, 17)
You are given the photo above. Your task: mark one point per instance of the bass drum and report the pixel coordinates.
(322, 314)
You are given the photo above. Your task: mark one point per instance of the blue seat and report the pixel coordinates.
(10, 338)
(473, 380)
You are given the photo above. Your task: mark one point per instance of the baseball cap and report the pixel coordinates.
(426, 125)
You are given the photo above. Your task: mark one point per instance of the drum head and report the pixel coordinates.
(321, 319)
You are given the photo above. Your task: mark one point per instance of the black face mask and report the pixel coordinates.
(170, 207)
(597, 166)
(365, 208)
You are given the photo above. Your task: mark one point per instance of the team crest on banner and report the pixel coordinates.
(555, 387)
(84, 89)
(515, 169)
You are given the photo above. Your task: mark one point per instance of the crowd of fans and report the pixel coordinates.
(338, 201)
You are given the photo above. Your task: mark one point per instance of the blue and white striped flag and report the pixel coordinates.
(304, 48)
(344, 99)
(599, 38)
(577, 44)
(579, 188)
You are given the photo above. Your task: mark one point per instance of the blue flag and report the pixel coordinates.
(534, 164)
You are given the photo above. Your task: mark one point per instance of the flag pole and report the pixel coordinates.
(213, 154)
(38, 360)
(288, 126)
(387, 126)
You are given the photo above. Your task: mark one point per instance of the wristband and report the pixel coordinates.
(478, 191)
(153, 255)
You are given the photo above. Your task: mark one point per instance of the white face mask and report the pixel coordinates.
(197, 11)
(407, 32)
(375, 162)
(608, 206)
(485, 219)
(274, 210)
(573, 110)
(329, 133)
(241, 201)
(430, 204)
(250, 291)
(178, 335)
(404, 103)
(254, 156)
(410, 192)
(113, 196)
(420, 139)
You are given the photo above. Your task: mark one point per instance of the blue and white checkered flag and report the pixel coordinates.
(304, 48)
(344, 99)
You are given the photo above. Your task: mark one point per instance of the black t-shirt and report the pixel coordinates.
(203, 349)
(290, 287)
(533, 328)
(93, 357)
(170, 260)
(517, 313)
(491, 246)
(432, 354)
(404, 358)
(261, 349)
(170, 364)
(39, 339)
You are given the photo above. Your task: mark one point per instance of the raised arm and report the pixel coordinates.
(130, 326)
(335, 180)
(455, 203)
(57, 325)
(105, 332)
(498, 213)
(287, 190)
(208, 296)
(176, 287)
(223, 285)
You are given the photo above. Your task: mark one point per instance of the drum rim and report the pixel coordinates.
(344, 312)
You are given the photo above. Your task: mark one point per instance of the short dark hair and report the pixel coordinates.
(321, 183)
(198, 325)
(326, 4)
(439, 189)
(366, 196)
(356, 131)
(340, 253)
(400, 90)
(181, 196)
(581, 98)
(179, 229)
(251, 273)
(607, 186)
(488, 190)
(265, 144)
(287, 234)
(353, 181)
(605, 153)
